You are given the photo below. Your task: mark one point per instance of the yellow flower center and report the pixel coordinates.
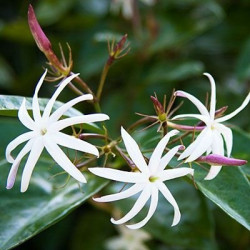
(153, 178)
(43, 131)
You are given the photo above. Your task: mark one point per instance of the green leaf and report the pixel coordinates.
(46, 201)
(9, 106)
(230, 191)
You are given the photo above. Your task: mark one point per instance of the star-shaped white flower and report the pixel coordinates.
(149, 179)
(45, 132)
(211, 137)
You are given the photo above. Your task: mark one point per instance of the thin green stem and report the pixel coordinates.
(102, 81)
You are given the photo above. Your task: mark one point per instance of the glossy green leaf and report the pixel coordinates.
(49, 198)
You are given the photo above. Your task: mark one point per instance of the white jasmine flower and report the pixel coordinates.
(211, 137)
(45, 132)
(129, 240)
(149, 179)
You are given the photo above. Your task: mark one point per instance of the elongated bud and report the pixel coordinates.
(214, 159)
(220, 112)
(41, 39)
(159, 109)
(44, 44)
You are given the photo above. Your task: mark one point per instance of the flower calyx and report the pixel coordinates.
(118, 50)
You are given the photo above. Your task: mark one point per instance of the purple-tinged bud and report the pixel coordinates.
(220, 112)
(115, 51)
(44, 44)
(41, 39)
(214, 159)
(159, 109)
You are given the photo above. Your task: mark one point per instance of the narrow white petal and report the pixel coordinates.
(195, 101)
(166, 193)
(35, 103)
(119, 175)
(217, 148)
(227, 135)
(170, 174)
(63, 161)
(136, 188)
(13, 171)
(205, 119)
(36, 150)
(155, 158)
(24, 117)
(139, 204)
(201, 145)
(16, 142)
(213, 172)
(213, 95)
(60, 111)
(74, 143)
(195, 145)
(134, 151)
(217, 143)
(229, 116)
(167, 157)
(52, 100)
(78, 120)
(152, 208)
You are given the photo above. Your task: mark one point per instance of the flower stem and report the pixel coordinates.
(102, 80)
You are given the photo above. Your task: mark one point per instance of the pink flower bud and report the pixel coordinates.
(157, 105)
(42, 41)
(214, 159)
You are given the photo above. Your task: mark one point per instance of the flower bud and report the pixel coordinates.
(41, 39)
(115, 51)
(44, 44)
(214, 159)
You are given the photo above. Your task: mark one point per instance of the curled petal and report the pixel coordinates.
(119, 175)
(63, 161)
(170, 174)
(136, 188)
(52, 100)
(168, 157)
(152, 208)
(213, 95)
(60, 111)
(35, 103)
(134, 151)
(166, 193)
(13, 171)
(157, 153)
(16, 142)
(213, 172)
(139, 204)
(242, 106)
(195, 101)
(35, 153)
(217, 143)
(203, 118)
(74, 143)
(24, 117)
(227, 135)
(204, 139)
(78, 120)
